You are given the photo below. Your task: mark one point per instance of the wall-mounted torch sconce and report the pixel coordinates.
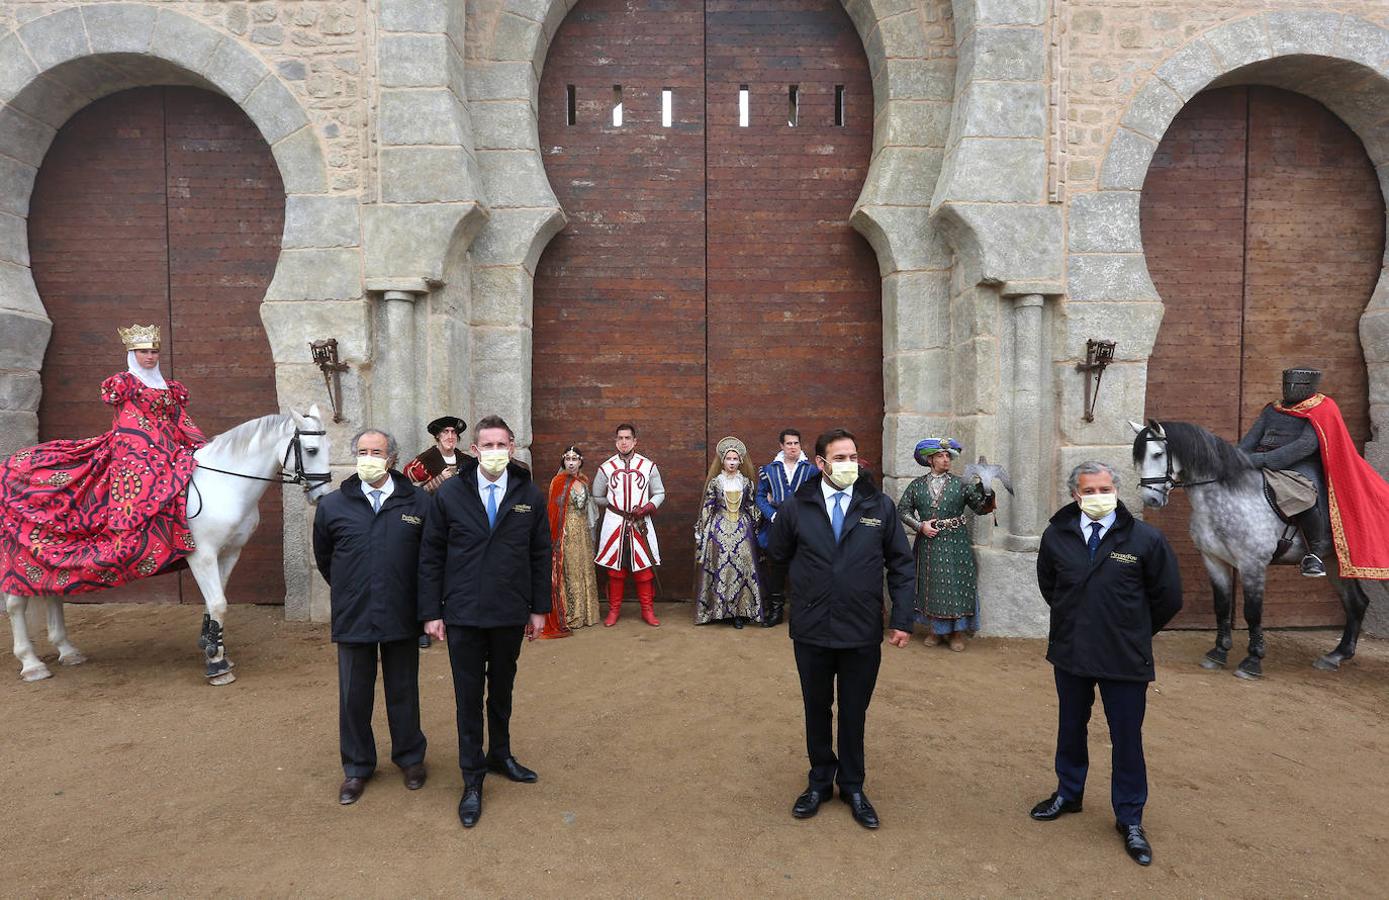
(1098, 355)
(325, 356)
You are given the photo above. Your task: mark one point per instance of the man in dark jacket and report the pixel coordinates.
(838, 533)
(485, 585)
(1112, 583)
(366, 543)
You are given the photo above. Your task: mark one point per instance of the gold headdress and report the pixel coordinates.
(140, 337)
(744, 464)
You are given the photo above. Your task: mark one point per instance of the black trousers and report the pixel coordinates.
(484, 669)
(855, 670)
(1124, 705)
(775, 574)
(400, 671)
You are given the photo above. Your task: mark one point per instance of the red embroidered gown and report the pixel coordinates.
(84, 515)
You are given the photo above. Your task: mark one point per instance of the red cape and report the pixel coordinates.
(1358, 495)
(555, 624)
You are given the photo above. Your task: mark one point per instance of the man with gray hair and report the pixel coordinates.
(1112, 583)
(366, 543)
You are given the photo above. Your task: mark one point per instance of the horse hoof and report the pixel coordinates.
(224, 678)
(1208, 662)
(38, 673)
(72, 659)
(1326, 663)
(1248, 675)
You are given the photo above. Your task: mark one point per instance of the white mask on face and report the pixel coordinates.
(844, 473)
(1097, 506)
(371, 468)
(494, 462)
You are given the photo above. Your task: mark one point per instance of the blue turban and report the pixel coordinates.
(931, 446)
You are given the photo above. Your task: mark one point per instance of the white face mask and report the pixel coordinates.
(371, 469)
(844, 473)
(1097, 506)
(494, 462)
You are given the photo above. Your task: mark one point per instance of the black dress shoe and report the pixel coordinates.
(513, 770)
(470, 807)
(1054, 807)
(351, 790)
(1136, 843)
(808, 804)
(414, 776)
(863, 811)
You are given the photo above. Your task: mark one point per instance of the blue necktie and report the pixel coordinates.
(1094, 543)
(492, 507)
(837, 520)
(376, 501)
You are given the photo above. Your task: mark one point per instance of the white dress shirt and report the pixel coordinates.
(483, 484)
(830, 500)
(1105, 524)
(387, 488)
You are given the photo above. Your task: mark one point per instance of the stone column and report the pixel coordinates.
(393, 380)
(1025, 430)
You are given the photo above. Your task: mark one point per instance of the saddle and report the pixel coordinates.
(1290, 494)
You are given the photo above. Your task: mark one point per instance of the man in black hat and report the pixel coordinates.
(437, 464)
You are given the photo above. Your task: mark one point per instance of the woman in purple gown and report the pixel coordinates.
(726, 541)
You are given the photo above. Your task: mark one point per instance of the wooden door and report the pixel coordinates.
(162, 205)
(1263, 226)
(708, 282)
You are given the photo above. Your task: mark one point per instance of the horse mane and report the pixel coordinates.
(1203, 454)
(238, 440)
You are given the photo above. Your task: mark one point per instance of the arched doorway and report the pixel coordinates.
(708, 156)
(164, 205)
(1263, 227)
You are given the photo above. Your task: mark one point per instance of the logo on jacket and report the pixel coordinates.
(411, 520)
(1123, 557)
(521, 508)
(871, 523)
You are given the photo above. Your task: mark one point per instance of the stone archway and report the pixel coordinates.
(59, 63)
(913, 78)
(1332, 58)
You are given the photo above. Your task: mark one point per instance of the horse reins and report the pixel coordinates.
(1168, 480)
(309, 480)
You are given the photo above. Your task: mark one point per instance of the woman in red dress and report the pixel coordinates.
(84, 515)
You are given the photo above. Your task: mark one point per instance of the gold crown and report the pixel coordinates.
(140, 337)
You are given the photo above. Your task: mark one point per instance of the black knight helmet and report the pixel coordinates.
(1299, 384)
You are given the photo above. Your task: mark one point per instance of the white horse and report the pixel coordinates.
(233, 472)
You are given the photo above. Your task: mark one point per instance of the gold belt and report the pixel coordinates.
(947, 524)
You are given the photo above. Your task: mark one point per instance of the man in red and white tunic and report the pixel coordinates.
(628, 488)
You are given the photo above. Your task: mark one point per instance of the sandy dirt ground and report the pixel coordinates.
(669, 760)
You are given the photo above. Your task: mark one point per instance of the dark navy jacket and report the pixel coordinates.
(773, 490)
(836, 589)
(1104, 613)
(370, 560)
(484, 577)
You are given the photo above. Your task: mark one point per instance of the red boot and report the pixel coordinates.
(617, 581)
(646, 593)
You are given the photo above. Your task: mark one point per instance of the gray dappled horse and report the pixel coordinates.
(1236, 530)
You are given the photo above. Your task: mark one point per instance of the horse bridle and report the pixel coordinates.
(309, 480)
(1167, 480)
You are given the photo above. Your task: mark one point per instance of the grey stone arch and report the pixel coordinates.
(1341, 61)
(913, 84)
(55, 65)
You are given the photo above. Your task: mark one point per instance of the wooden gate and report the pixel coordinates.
(1263, 227)
(162, 205)
(708, 155)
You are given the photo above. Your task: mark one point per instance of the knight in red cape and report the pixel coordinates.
(628, 489)
(1307, 434)
(84, 515)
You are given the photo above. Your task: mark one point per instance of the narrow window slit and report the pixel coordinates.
(793, 105)
(839, 104)
(743, 106)
(617, 106)
(571, 105)
(667, 106)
